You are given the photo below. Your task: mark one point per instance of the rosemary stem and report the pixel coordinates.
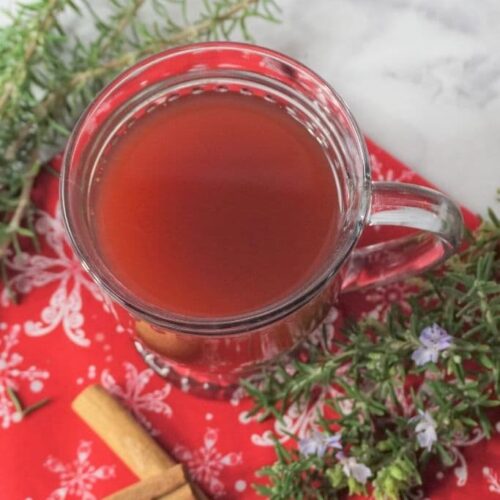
(44, 25)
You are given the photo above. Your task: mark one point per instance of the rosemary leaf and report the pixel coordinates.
(414, 386)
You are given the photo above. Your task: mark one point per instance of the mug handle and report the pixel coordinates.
(407, 205)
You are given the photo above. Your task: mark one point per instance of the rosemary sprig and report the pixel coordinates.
(412, 388)
(15, 400)
(21, 410)
(35, 406)
(47, 75)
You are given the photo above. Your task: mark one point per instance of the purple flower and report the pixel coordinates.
(425, 429)
(433, 339)
(317, 443)
(351, 467)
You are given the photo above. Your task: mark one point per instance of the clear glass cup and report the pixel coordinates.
(210, 354)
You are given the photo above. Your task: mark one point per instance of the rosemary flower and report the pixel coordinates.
(352, 468)
(433, 340)
(425, 429)
(318, 442)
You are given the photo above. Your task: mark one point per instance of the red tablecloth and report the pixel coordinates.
(64, 334)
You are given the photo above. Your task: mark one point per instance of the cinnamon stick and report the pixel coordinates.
(183, 493)
(153, 487)
(120, 431)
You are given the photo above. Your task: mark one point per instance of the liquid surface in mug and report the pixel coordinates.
(215, 205)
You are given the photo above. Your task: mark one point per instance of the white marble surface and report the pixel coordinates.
(421, 76)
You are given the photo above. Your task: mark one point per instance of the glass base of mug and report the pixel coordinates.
(200, 385)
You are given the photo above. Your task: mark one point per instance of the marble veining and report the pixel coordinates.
(421, 76)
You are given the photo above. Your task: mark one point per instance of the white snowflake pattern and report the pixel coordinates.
(323, 334)
(461, 469)
(11, 373)
(298, 421)
(492, 479)
(77, 478)
(382, 173)
(206, 463)
(65, 303)
(133, 396)
(383, 297)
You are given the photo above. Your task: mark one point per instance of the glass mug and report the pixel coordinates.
(210, 355)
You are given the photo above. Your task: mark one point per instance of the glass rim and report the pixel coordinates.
(230, 324)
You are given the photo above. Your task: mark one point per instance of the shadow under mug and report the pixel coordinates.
(210, 355)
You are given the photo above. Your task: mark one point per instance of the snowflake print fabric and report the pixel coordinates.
(206, 463)
(77, 477)
(14, 374)
(64, 307)
(64, 334)
(135, 397)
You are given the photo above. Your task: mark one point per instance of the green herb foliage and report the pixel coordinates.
(48, 75)
(384, 393)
